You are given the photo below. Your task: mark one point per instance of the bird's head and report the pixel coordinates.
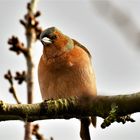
(52, 37)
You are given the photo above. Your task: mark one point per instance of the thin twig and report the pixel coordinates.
(35, 132)
(12, 88)
(17, 46)
(20, 77)
(32, 32)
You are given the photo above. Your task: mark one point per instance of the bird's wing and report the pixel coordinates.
(83, 47)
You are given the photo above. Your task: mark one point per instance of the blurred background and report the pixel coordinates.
(110, 29)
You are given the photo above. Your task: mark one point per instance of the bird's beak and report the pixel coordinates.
(44, 38)
(45, 41)
(47, 37)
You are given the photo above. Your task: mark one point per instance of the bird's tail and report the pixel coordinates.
(84, 131)
(93, 120)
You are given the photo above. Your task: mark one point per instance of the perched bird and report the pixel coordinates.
(65, 70)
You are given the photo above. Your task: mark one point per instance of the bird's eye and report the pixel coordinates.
(53, 37)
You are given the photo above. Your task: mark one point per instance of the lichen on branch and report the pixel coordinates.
(73, 107)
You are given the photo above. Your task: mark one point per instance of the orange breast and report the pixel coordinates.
(70, 74)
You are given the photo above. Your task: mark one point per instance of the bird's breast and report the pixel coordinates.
(62, 78)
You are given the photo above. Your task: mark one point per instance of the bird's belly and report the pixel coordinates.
(67, 84)
(59, 87)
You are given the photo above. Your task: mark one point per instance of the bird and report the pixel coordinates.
(65, 70)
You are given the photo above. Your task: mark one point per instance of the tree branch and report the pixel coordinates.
(72, 108)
